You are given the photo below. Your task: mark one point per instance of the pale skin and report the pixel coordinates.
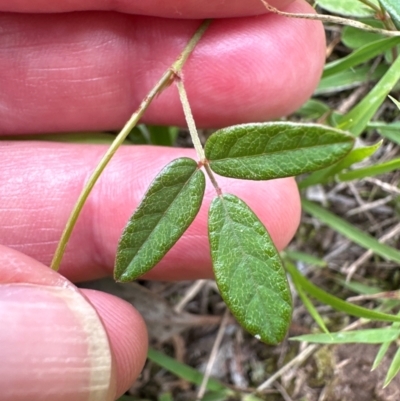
(63, 72)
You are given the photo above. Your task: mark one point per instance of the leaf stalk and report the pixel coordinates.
(194, 134)
(190, 120)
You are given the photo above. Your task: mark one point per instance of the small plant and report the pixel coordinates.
(248, 268)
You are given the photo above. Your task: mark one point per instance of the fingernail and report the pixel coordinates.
(53, 346)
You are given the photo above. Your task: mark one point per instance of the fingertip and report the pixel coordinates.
(53, 344)
(267, 67)
(127, 335)
(242, 70)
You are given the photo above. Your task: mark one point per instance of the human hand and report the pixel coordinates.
(88, 71)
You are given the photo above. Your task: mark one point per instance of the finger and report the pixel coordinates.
(54, 345)
(127, 334)
(90, 71)
(40, 183)
(161, 8)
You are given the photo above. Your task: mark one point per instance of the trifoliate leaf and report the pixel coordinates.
(166, 211)
(248, 269)
(274, 150)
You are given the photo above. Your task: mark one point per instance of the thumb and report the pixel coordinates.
(58, 343)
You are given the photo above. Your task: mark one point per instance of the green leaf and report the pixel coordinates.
(165, 397)
(168, 208)
(309, 305)
(351, 232)
(359, 288)
(184, 371)
(389, 131)
(248, 269)
(349, 79)
(348, 8)
(393, 369)
(153, 134)
(384, 348)
(162, 135)
(274, 150)
(305, 257)
(371, 171)
(369, 336)
(355, 156)
(381, 354)
(354, 38)
(359, 56)
(358, 118)
(218, 396)
(393, 9)
(139, 135)
(337, 303)
(313, 109)
(395, 101)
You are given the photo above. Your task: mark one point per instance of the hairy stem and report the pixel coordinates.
(166, 79)
(190, 120)
(212, 178)
(332, 19)
(194, 135)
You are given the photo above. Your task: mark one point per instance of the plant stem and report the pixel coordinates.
(194, 134)
(166, 80)
(190, 120)
(376, 8)
(212, 178)
(332, 19)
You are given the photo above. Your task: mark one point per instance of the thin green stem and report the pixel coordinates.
(371, 5)
(166, 79)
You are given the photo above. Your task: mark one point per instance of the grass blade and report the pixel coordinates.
(389, 131)
(369, 336)
(351, 232)
(393, 369)
(358, 118)
(371, 171)
(349, 79)
(184, 371)
(304, 257)
(337, 303)
(360, 55)
(308, 304)
(381, 354)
